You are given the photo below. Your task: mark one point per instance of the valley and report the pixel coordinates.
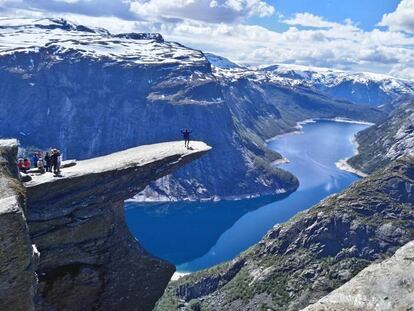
(255, 214)
(195, 236)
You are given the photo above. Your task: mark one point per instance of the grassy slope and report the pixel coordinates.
(315, 252)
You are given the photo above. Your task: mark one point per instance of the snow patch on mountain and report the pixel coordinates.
(221, 62)
(333, 77)
(27, 35)
(357, 87)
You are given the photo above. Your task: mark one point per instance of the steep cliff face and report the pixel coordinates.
(88, 258)
(18, 258)
(388, 285)
(92, 93)
(300, 261)
(388, 140)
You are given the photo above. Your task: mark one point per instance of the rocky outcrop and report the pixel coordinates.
(18, 258)
(388, 285)
(88, 258)
(299, 262)
(81, 89)
(386, 141)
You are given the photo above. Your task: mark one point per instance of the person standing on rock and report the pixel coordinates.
(48, 162)
(35, 158)
(55, 161)
(60, 159)
(41, 164)
(186, 134)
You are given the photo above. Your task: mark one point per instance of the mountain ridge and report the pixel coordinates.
(318, 250)
(386, 141)
(95, 93)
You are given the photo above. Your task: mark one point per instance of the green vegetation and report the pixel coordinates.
(317, 250)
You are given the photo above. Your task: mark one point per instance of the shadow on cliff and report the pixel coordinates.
(180, 232)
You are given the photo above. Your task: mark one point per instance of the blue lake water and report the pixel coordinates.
(195, 236)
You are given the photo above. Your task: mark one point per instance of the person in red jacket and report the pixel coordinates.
(26, 165)
(20, 166)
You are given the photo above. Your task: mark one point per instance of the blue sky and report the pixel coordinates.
(357, 35)
(362, 12)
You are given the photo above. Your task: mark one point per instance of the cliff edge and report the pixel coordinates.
(88, 258)
(388, 285)
(18, 258)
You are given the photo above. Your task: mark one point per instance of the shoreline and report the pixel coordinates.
(276, 193)
(299, 126)
(280, 161)
(343, 164)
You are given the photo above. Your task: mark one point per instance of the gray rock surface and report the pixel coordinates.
(18, 258)
(384, 286)
(88, 257)
(317, 251)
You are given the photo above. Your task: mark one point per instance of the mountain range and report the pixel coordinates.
(90, 92)
(320, 249)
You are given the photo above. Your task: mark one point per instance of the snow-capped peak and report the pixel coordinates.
(24, 35)
(220, 61)
(310, 71)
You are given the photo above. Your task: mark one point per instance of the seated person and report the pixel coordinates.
(26, 165)
(20, 166)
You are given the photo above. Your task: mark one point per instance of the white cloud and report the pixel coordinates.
(402, 71)
(402, 19)
(68, 1)
(215, 11)
(309, 20)
(310, 39)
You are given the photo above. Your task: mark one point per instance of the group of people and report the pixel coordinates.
(50, 160)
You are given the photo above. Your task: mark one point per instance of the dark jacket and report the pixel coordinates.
(186, 134)
(54, 158)
(47, 159)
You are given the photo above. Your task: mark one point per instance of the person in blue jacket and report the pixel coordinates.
(35, 158)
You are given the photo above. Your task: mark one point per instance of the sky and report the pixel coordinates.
(356, 35)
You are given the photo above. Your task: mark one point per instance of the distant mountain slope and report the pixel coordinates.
(318, 250)
(220, 62)
(371, 89)
(357, 87)
(388, 140)
(90, 93)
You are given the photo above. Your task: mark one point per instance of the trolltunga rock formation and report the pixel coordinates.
(88, 258)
